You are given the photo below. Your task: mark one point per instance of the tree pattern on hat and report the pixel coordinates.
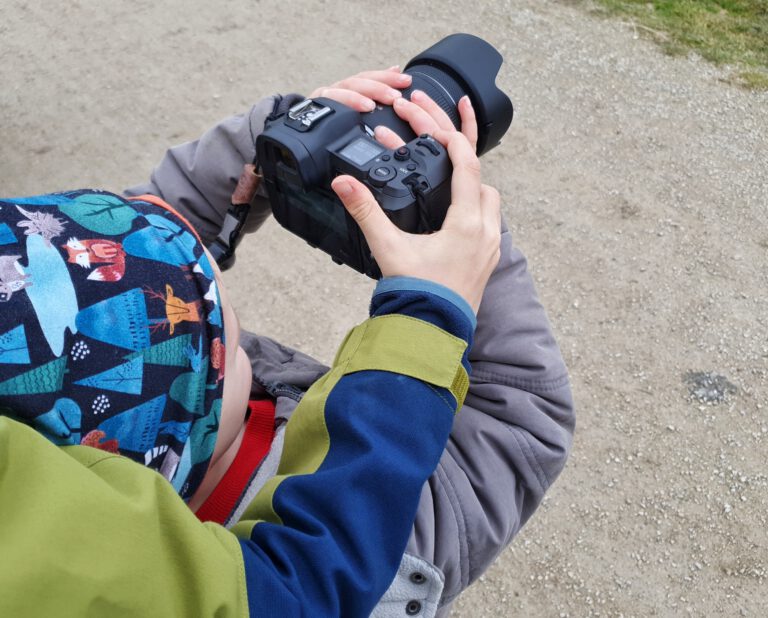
(90, 353)
(13, 346)
(47, 378)
(172, 352)
(125, 378)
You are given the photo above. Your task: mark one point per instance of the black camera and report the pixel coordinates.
(301, 151)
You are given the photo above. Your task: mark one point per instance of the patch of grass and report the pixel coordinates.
(722, 31)
(754, 80)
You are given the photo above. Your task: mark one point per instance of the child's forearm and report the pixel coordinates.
(357, 452)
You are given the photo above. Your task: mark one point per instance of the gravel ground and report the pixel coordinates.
(635, 182)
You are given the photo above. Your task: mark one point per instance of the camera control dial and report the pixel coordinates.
(381, 175)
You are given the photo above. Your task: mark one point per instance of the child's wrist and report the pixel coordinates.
(414, 284)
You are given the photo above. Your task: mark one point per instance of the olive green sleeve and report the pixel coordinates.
(56, 501)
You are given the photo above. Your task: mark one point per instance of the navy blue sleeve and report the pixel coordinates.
(329, 540)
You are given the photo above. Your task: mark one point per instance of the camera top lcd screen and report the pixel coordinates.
(361, 151)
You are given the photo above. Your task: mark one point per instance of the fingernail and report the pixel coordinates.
(394, 67)
(380, 131)
(399, 101)
(370, 106)
(418, 95)
(343, 188)
(466, 101)
(395, 93)
(405, 78)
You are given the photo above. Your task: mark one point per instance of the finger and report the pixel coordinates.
(392, 77)
(378, 230)
(433, 109)
(465, 182)
(468, 120)
(490, 204)
(371, 88)
(420, 120)
(350, 98)
(387, 137)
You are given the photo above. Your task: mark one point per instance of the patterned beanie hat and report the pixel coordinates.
(111, 329)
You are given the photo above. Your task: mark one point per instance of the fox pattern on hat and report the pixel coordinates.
(111, 333)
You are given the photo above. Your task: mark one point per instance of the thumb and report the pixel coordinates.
(378, 230)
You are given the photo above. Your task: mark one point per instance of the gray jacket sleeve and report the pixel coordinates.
(509, 441)
(198, 177)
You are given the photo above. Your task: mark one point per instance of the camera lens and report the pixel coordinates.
(439, 86)
(460, 64)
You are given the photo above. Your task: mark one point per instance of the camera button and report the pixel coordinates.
(402, 153)
(385, 157)
(380, 176)
(411, 167)
(429, 145)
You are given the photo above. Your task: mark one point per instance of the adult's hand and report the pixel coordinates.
(426, 116)
(462, 255)
(361, 92)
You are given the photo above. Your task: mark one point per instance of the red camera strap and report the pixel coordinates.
(257, 439)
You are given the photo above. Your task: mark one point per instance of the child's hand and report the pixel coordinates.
(465, 251)
(362, 91)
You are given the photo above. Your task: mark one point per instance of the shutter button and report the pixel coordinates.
(413, 608)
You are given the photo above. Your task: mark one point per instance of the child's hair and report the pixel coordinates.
(111, 329)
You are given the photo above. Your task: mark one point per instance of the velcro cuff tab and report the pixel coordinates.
(408, 346)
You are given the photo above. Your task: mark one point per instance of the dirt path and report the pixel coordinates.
(635, 182)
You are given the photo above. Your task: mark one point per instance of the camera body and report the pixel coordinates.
(302, 151)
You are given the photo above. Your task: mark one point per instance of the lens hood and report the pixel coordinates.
(473, 64)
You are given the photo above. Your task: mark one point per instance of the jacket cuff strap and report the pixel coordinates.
(401, 344)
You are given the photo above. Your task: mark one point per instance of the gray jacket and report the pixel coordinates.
(510, 440)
